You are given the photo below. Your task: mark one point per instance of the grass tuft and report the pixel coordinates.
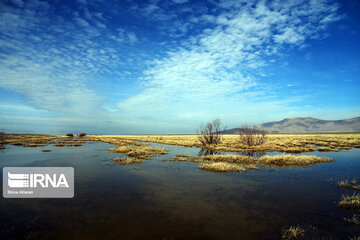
(184, 158)
(346, 184)
(290, 160)
(222, 167)
(125, 161)
(355, 219)
(293, 233)
(350, 202)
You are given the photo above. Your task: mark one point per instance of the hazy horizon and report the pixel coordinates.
(165, 67)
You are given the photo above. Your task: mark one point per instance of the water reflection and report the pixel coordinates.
(2, 141)
(253, 154)
(206, 152)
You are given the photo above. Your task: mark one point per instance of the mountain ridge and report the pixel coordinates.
(306, 125)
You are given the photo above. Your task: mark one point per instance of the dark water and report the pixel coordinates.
(160, 199)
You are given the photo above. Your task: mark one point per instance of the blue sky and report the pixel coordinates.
(123, 67)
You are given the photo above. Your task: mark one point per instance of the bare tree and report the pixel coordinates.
(251, 136)
(3, 138)
(210, 133)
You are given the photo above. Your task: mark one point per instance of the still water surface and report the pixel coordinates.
(161, 199)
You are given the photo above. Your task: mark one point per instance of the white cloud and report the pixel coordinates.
(54, 64)
(213, 72)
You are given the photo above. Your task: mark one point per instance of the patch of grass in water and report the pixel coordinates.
(346, 184)
(293, 233)
(355, 219)
(46, 150)
(184, 158)
(222, 167)
(126, 161)
(350, 202)
(138, 152)
(279, 160)
(290, 160)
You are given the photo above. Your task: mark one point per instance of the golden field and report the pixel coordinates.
(287, 143)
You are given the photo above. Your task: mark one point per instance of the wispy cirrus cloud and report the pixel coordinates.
(55, 62)
(151, 66)
(220, 67)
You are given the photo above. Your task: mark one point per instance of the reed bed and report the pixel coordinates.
(222, 167)
(30, 140)
(352, 184)
(355, 219)
(293, 233)
(127, 161)
(350, 202)
(138, 152)
(279, 160)
(286, 143)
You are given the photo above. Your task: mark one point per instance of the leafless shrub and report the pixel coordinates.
(3, 138)
(210, 133)
(70, 135)
(251, 136)
(82, 134)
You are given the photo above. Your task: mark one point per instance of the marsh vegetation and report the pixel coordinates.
(188, 184)
(285, 143)
(247, 162)
(349, 184)
(350, 201)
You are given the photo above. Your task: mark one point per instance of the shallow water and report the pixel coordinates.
(161, 199)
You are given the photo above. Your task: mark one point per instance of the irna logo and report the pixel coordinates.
(38, 182)
(16, 180)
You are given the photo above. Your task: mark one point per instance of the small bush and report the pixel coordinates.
(3, 137)
(82, 134)
(251, 136)
(70, 135)
(210, 133)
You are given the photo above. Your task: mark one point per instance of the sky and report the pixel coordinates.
(166, 67)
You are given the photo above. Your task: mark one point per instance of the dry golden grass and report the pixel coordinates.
(290, 160)
(222, 167)
(185, 158)
(30, 140)
(138, 152)
(350, 202)
(280, 160)
(115, 140)
(125, 161)
(352, 184)
(355, 219)
(287, 143)
(293, 233)
(229, 158)
(344, 184)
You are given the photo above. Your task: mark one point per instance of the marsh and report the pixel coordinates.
(158, 198)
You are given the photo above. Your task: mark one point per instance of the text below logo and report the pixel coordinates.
(38, 182)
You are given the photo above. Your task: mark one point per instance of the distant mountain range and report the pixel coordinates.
(305, 125)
